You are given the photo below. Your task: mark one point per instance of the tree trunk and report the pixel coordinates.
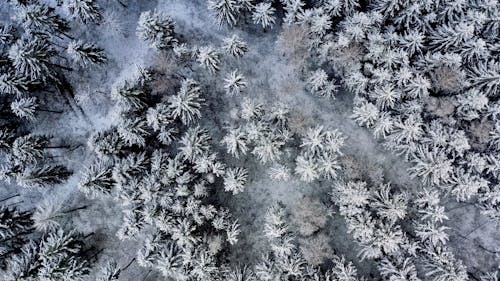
(75, 209)
(10, 197)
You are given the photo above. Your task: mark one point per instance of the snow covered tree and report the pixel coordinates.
(12, 84)
(42, 176)
(39, 17)
(159, 117)
(319, 84)
(24, 108)
(209, 58)
(267, 149)
(194, 143)
(31, 58)
(226, 11)
(234, 83)
(306, 168)
(236, 142)
(365, 114)
(48, 215)
(97, 180)
(106, 144)
(279, 173)
(234, 46)
(186, 104)
(86, 53)
(87, 11)
(15, 225)
(264, 14)
(432, 166)
(7, 137)
(157, 29)
(30, 148)
(235, 180)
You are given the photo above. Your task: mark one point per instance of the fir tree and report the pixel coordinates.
(42, 176)
(30, 148)
(11, 84)
(234, 46)
(157, 29)
(97, 180)
(226, 11)
(87, 11)
(31, 58)
(186, 104)
(234, 83)
(264, 14)
(86, 53)
(235, 179)
(40, 17)
(208, 57)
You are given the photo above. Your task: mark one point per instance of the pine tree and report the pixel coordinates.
(42, 176)
(365, 114)
(159, 117)
(234, 46)
(24, 107)
(14, 226)
(236, 142)
(7, 138)
(186, 104)
(40, 17)
(306, 168)
(209, 58)
(30, 148)
(11, 84)
(235, 180)
(86, 53)
(87, 11)
(106, 143)
(97, 180)
(31, 58)
(264, 14)
(234, 83)
(48, 215)
(134, 130)
(194, 143)
(226, 11)
(157, 29)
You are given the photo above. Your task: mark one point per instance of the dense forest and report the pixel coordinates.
(249, 140)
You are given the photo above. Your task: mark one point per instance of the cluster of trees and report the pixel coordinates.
(40, 244)
(36, 51)
(265, 132)
(159, 165)
(232, 12)
(284, 261)
(425, 79)
(374, 216)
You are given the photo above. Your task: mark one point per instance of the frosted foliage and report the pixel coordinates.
(234, 83)
(157, 30)
(86, 53)
(264, 14)
(31, 58)
(186, 104)
(235, 179)
(24, 107)
(234, 46)
(245, 140)
(85, 10)
(208, 57)
(225, 11)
